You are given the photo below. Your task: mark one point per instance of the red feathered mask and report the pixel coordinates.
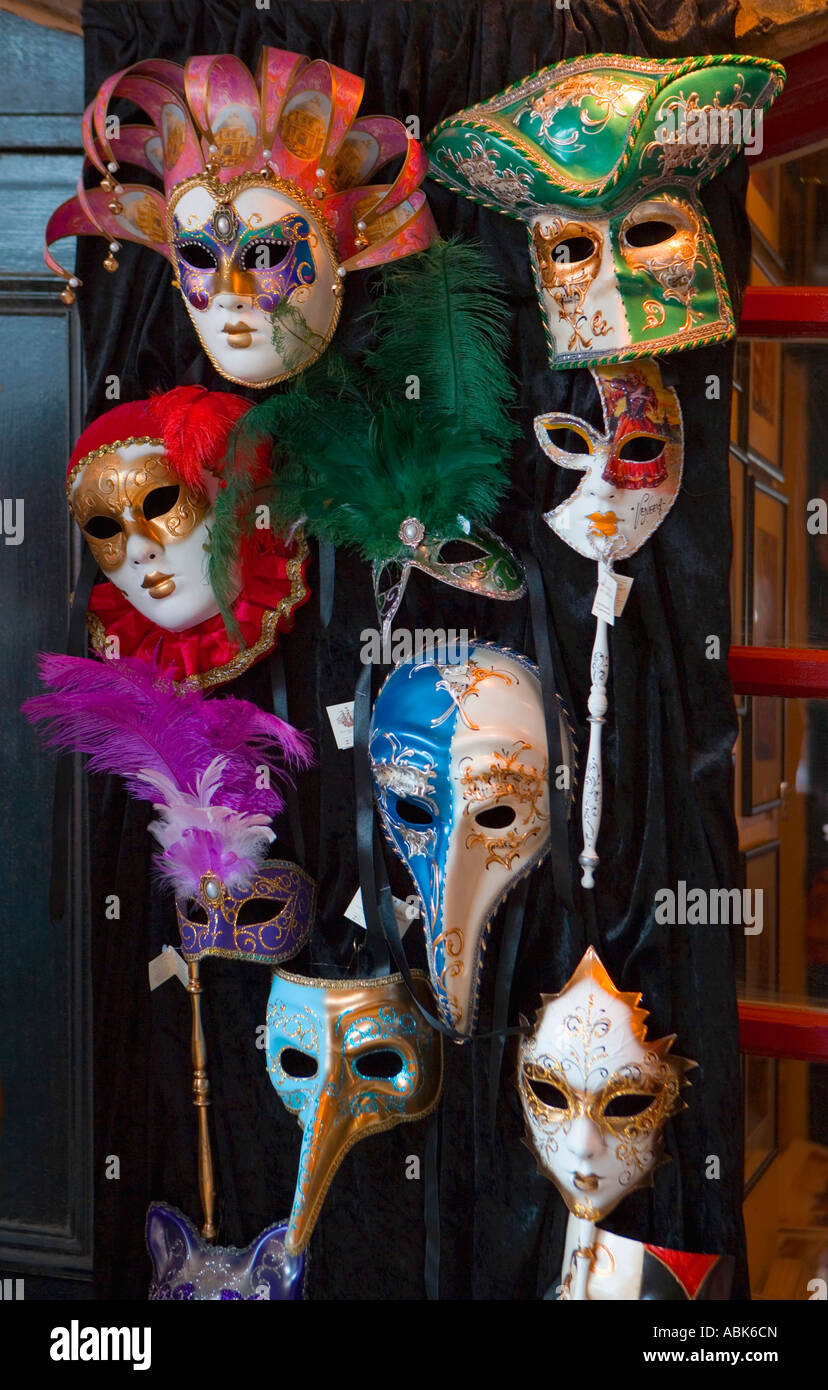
(192, 423)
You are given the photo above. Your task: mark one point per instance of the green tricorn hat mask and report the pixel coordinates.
(406, 458)
(602, 158)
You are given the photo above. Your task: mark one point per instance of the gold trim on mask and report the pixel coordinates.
(110, 488)
(338, 1131)
(99, 454)
(568, 282)
(672, 262)
(659, 1074)
(225, 193)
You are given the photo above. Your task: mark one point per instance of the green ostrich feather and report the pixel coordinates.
(423, 430)
(233, 511)
(440, 319)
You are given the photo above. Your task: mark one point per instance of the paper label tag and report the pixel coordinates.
(342, 723)
(402, 911)
(169, 963)
(354, 911)
(611, 595)
(625, 583)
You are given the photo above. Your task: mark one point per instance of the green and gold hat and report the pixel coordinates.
(602, 157)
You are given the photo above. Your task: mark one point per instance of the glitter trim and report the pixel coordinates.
(100, 452)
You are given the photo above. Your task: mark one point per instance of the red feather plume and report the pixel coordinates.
(195, 424)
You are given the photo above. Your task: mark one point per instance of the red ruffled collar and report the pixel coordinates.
(205, 656)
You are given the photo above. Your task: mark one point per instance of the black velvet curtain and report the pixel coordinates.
(667, 745)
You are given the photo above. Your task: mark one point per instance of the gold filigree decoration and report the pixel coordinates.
(479, 168)
(654, 313)
(502, 849)
(608, 93)
(116, 491)
(672, 262)
(461, 683)
(506, 776)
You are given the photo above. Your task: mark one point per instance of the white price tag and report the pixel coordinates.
(625, 583)
(354, 911)
(604, 605)
(169, 963)
(611, 595)
(342, 723)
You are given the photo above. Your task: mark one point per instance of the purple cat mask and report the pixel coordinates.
(186, 1268)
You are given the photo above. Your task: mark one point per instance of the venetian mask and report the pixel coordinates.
(459, 758)
(266, 198)
(623, 1270)
(268, 921)
(595, 1092)
(350, 1058)
(149, 532)
(187, 1268)
(602, 158)
(480, 563)
(632, 470)
(257, 268)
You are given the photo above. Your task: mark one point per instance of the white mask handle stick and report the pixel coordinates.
(582, 1257)
(593, 791)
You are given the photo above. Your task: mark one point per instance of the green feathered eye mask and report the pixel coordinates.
(405, 460)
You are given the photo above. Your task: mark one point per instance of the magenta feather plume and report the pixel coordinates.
(211, 767)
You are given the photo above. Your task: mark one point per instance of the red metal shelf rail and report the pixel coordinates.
(787, 671)
(785, 311)
(783, 1030)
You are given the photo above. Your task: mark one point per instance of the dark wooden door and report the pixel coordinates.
(45, 1148)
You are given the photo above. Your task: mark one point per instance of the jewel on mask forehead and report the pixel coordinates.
(225, 223)
(220, 132)
(412, 532)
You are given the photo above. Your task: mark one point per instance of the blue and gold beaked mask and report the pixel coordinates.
(602, 157)
(460, 765)
(351, 1058)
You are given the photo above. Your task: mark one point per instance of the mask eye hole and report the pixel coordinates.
(412, 813)
(196, 913)
(459, 552)
(102, 528)
(571, 441)
(625, 1107)
(642, 448)
(548, 1093)
(197, 256)
(257, 910)
(381, 1065)
(299, 1065)
(649, 233)
(264, 255)
(160, 501)
(496, 817)
(574, 249)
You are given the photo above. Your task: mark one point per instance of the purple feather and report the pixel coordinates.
(174, 748)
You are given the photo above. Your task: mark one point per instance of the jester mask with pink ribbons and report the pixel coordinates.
(267, 198)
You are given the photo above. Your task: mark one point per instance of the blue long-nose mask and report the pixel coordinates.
(459, 758)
